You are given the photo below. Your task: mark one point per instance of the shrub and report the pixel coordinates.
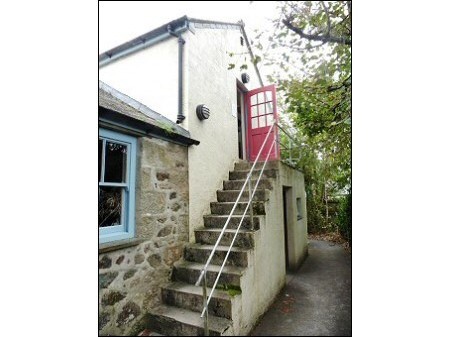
(344, 218)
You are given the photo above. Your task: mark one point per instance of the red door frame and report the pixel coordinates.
(258, 117)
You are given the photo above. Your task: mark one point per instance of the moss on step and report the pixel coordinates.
(232, 290)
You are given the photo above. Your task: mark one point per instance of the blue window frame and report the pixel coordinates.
(116, 185)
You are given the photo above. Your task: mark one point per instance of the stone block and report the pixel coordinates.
(161, 176)
(139, 258)
(154, 260)
(105, 279)
(167, 230)
(134, 282)
(103, 319)
(173, 254)
(112, 297)
(176, 206)
(130, 273)
(145, 181)
(129, 312)
(154, 202)
(120, 259)
(105, 262)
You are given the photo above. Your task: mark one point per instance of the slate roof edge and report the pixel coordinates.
(159, 119)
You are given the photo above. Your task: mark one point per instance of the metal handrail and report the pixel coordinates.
(248, 180)
(237, 231)
(249, 203)
(289, 147)
(287, 134)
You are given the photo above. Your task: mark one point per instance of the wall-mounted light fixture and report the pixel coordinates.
(203, 112)
(245, 78)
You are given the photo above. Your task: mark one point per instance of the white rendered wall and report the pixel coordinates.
(208, 81)
(149, 76)
(297, 228)
(267, 273)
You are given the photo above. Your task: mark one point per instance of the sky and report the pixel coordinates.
(121, 21)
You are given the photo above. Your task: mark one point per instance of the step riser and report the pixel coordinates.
(243, 240)
(194, 302)
(237, 185)
(172, 327)
(242, 175)
(201, 256)
(190, 276)
(219, 222)
(259, 165)
(231, 196)
(218, 208)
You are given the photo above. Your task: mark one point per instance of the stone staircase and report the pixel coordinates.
(183, 301)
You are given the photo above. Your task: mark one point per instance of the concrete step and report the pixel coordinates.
(224, 208)
(174, 321)
(231, 195)
(245, 238)
(200, 253)
(189, 272)
(242, 174)
(190, 297)
(218, 221)
(248, 165)
(264, 183)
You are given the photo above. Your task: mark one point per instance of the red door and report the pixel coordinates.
(261, 114)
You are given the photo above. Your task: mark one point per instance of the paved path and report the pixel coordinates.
(317, 298)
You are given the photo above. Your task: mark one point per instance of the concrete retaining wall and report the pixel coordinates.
(266, 275)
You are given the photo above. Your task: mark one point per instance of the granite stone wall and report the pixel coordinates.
(130, 279)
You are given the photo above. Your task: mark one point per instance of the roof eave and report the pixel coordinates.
(143, 41)
(116, 120)
(160, 34)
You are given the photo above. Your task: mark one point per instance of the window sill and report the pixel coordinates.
(113, 246)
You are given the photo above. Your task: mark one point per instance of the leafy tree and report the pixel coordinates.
(311, 50)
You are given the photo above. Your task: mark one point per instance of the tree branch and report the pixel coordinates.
(316, 37)
(328, 18)
(344, 83)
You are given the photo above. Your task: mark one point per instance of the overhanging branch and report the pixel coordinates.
(316, 37)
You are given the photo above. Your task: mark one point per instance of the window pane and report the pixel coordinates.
(261, 97)
(269, 109)
(100, 152)
(110, 201)
(115, 162)
(268, 96)
(253, 100)
(254, 123)
(262, 121)
(254, 110)
(261, 109)
(269, 120)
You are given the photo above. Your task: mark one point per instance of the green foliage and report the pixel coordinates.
(232, 290)
(311, 49)
(256, 59)
(344, 217)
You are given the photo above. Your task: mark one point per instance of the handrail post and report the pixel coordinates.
(205, 305)
(250, 198)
